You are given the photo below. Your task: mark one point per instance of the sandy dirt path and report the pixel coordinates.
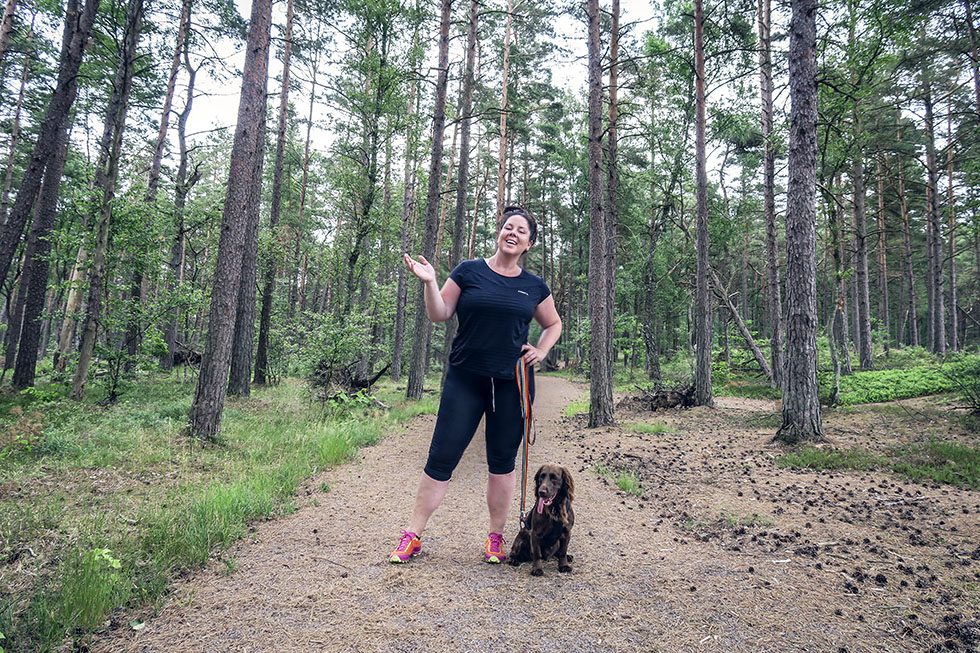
(317, 580)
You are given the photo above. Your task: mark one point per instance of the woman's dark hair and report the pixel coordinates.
(532, 225)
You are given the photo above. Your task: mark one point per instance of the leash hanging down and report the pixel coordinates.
(524, 390)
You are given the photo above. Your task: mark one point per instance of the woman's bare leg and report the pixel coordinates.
(500, 492)
(429, 495)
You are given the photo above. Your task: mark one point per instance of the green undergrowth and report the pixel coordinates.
(875, 386)
(654, 428)
(104, 507)
(938, 461)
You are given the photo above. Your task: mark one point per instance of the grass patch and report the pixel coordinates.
(647, 427)
(892, 384)
(119, 503)
(748, 521)
(629, 483)
(817, 458)
(950, 463)
(943, 462)
(577, 407)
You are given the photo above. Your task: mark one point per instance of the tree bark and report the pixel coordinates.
(801, 406)
(106, 175)
(178, 245)
(423, 327)
(912, 317)
(502, 154)
(408, 211)
(34, 278)
(937, 312)
(6, 25)
(8, 175)
(205, 414)
(882, 256)
(275, 211)
(612, 184)
(240, 373)
(78, 25)
(462, 177)
(600, 348)
(951, 211)
(702, 300)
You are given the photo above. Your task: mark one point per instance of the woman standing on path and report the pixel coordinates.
(494, 300)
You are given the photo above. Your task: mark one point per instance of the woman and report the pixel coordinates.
(494, 300)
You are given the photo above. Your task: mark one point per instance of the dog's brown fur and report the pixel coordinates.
(547, 533)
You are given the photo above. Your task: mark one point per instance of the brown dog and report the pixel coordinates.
(549, 524)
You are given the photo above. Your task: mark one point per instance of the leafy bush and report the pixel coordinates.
(888, 385)
(965, 377)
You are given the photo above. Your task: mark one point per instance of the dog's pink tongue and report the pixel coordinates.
(542, 502)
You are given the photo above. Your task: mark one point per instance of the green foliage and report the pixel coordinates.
(577, 407)
(952, 463)
(817, 458)
(965, 378)
(202, 501)
(629, 482)
(646, 427)
(888, 385)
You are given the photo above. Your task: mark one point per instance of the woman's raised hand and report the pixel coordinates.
(421, 268)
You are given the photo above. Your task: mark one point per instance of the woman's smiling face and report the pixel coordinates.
(514, 236)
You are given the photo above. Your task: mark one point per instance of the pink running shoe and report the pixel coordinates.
(408, 547)
(494, 549)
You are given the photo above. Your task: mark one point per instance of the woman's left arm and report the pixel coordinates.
(547, 316)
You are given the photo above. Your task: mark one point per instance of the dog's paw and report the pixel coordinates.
(565, 569)
(537, 572)
(513, 561)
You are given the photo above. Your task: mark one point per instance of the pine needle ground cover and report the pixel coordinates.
(101, 508)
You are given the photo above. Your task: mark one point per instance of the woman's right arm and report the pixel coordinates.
(439, 305)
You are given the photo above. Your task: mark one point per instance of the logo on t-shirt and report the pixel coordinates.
(522, 292)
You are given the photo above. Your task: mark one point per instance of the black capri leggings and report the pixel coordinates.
(466, 397)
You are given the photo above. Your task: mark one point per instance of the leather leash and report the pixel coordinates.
(524, 390)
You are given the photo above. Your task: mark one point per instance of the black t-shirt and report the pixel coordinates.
(494, 312)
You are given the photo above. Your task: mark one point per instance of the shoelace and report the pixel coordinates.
(406, 540)
(496, 541)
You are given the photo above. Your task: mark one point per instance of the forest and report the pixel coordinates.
(203, 310)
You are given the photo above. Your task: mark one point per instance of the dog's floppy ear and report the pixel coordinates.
(537, 476)
(568, 484)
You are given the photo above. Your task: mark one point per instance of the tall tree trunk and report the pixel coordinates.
(912, 317)
(937, 313)
(502, 156)
(423, 327)
(462, 177)
(78, 25)
(275, 211)
(839, 332)
(954, 343)
(600, 347)
(205, 414)
(774, 297)
(801, 405)
(106, 175)
(178, 245)
(408, 211)
(882, 255)
(612, 184)
(6, 25)
(974, 55)
(8, 175)
(862, 324)
(702, 300)
(240, 372)
(34, 278)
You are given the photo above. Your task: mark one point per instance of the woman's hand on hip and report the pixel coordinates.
(421, 268)
(531, 354)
